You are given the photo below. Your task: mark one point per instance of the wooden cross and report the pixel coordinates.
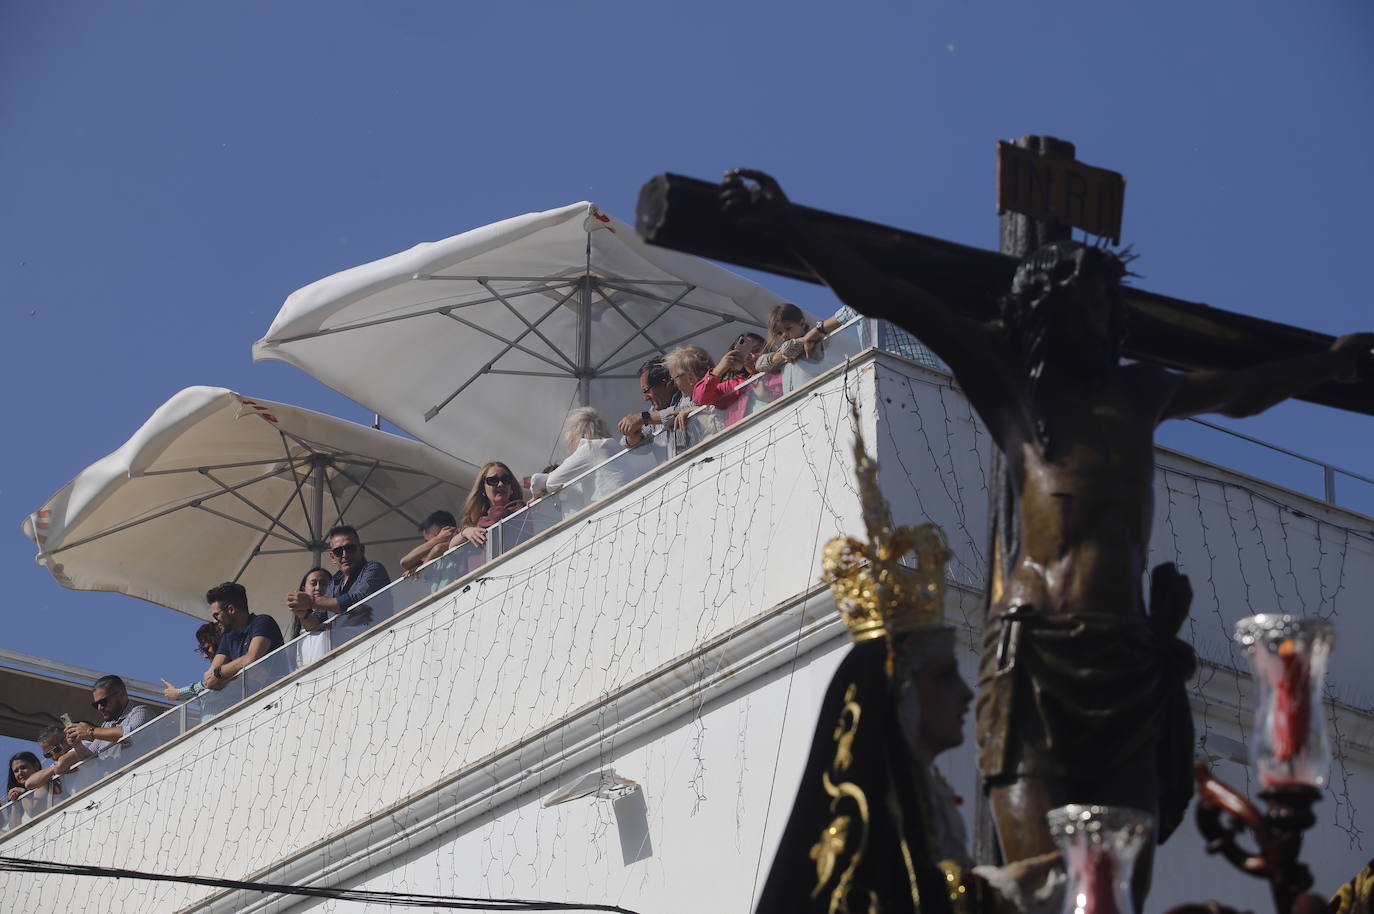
(684, 214)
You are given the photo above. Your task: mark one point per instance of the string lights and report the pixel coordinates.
(570, 623)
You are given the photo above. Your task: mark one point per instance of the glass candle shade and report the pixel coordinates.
(1100, 844)
(1288, 656)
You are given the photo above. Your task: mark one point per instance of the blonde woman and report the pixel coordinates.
(686, 366)
(589, 443)
(495, 495)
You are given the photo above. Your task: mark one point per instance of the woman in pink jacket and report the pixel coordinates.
(721, 386)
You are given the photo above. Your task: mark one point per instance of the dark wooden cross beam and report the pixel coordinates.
(684, 214)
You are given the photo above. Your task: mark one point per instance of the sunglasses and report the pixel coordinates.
(100, 703)
(53, 754)
(347, 549)
(495, 481)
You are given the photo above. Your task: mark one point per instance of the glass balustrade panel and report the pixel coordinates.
(276, 665)
(155, 733)
(211, 702)
(542, 514)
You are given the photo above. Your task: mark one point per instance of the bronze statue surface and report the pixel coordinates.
(1072, 658)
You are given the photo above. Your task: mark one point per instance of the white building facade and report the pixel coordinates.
(616, 709)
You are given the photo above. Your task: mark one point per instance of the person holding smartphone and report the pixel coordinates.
(110, 698)
(724, 386)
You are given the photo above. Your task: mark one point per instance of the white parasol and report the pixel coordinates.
(479, 344)
(218, 487)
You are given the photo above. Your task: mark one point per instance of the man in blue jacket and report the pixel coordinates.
(356, 580)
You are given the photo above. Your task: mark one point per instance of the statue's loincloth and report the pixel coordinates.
(1061, 696)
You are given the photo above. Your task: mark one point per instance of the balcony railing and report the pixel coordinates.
(535, 518)
(538, 517)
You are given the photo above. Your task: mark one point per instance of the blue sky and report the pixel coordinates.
(174, 170)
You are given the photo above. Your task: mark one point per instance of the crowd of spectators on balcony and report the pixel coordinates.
(690, 396)
(74, 742)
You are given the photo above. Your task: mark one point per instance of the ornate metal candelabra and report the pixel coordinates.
(1289, 750)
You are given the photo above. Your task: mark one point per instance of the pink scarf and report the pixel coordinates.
(498, 513)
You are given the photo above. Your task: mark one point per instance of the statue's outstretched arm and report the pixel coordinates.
(1248, 391)
(973, 350)
(849, 275)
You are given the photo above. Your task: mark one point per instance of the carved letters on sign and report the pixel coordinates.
(1060, 190)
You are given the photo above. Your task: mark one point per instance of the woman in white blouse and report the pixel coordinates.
(589, 443)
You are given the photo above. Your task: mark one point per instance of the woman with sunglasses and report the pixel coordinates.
(495, 496)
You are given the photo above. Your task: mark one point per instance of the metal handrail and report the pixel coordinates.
(240, 682)
(1329, 471)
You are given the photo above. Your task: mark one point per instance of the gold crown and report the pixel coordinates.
(878, 595)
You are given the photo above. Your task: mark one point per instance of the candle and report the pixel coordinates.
(1288, 657)
(1100, 844)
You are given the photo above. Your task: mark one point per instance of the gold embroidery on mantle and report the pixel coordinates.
(826, 850)
(845, 728)
(1357, 895)
(835, 838)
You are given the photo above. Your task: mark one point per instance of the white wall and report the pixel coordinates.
(485, 673)
(718, 786)
(662, 635)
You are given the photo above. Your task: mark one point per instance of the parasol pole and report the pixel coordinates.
(317, 544)
(585, 370)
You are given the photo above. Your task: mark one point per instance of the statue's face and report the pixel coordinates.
(1079, 318)
(932, 701)
(1070, 292)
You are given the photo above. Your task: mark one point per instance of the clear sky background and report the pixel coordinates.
(172, 171)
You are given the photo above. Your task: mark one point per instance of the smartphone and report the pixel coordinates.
(65, 718)
(741, 341)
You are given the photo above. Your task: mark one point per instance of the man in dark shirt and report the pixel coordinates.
(356, 580)
(247, 636)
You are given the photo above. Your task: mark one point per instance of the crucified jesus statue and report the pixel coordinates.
(1075, 669)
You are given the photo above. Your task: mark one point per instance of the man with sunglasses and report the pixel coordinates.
(660, 393)
(355, 581)
(111, 699)
(247, 636)
(52, 742)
